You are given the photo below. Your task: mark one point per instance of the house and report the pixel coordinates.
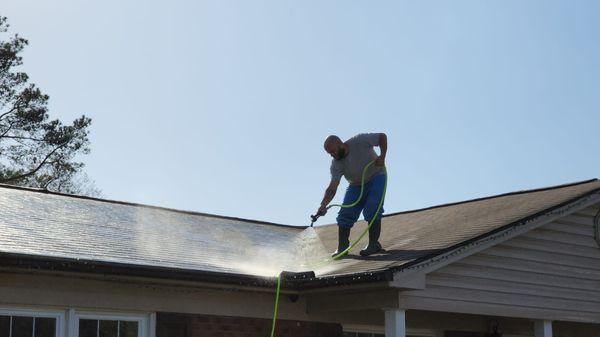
(519, 264)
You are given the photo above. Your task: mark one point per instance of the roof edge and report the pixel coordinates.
(290, 281)
(62, 264)
(541, 189)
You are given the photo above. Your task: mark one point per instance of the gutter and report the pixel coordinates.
(60, 264)
(291, 281)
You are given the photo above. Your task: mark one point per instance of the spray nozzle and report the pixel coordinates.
(314, 218)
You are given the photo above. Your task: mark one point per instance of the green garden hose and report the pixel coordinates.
(276, 305)
(354, 243)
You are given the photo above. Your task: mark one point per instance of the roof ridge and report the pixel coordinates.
(260, 222)
(129, 203)
(496, 196)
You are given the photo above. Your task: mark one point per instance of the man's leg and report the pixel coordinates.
(373, 198)
(347, 217)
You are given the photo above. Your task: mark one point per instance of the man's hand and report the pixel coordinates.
(322, 210)
(380, 161)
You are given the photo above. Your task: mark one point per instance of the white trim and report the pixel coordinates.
(70, 323)
(152, 325)
(59, 315)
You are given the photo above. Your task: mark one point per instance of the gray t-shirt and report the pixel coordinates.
(360, 153)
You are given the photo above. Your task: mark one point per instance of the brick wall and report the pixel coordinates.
(183, 325)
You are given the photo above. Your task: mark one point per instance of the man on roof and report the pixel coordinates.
(349, 159)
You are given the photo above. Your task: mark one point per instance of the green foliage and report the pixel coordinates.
(34, 150)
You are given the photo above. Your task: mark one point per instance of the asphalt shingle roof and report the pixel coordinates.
(411, 235)
(34, 223)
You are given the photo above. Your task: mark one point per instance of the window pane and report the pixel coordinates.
(128, 329)
(45, 327)
(4, 326)
(22, 326)
(108, 329)
(88, 328)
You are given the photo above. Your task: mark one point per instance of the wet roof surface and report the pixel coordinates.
(53, 225)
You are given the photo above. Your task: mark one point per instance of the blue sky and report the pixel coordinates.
(222, 106)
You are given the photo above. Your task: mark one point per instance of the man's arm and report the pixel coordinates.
(380, 161)
(329, 194)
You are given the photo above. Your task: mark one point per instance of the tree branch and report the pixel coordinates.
(32, 172)
(50, 181)
(22, 137)
(15, 107)
(8, 129)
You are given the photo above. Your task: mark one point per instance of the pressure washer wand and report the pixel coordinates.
(314, 219)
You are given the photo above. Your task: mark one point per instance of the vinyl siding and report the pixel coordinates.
(552, 272)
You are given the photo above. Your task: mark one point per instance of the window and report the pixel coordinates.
(29, 323)
(110, 325)
(107, 328)
(21, 322)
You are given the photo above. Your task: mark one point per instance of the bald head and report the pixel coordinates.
(330, 141)
(335, 147)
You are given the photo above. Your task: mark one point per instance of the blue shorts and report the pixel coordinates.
(368, 203)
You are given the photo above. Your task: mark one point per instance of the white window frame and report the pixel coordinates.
(145, 321)
(59, 315)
